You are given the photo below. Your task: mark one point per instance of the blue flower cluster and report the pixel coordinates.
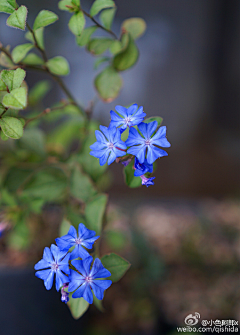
(143, 141)
(71, 263)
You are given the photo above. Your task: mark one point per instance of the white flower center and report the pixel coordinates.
(110, 145)
(78, 240)
(54, 267)
(127, 120)
(148, 141)
(88, 279)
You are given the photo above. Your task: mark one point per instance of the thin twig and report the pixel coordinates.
(6, 109)
(99, 25)
(43, 53)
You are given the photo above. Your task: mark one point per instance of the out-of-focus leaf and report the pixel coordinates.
(98, 5)
(126, 58)
(7, 198)
(64, 227)
(38, 92)
(15, 177)
(3, 136)
(63, 5)
(18, 18)
(11, 127)
(130, 180)
(39, 37)
(13, 78)
(16, 99)
(117, 265)
(5, 61)
(98, 304)
(33, 140)
(99, 45)
(44, 18)
(107, 17)
(108, 84)
(3, 86)
(116, 239)
(85, 36)
(19, 238)
(81, 186)
(77, 23)
(20, 52)
(58, 65)
(115, 47)
(8, 6)
(134, 26)
(94, 211)
(32, 59)
(77, 306)
(99, 61)
(154, 118)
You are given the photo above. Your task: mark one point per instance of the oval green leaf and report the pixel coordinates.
(18, 18)
(13, 78)
(58, 65)
(117, 265)
(85, 36)
(8, 6)
(108, 84)
(77, 23)
(11, 127)
(130, 179)
(134, 26)
(126, 58)
(39, 37)
(94, 212)
(20, 51)
(16, 99)
(98, 5)
(77, 306)
(44, 18)
(32, 59)
(107, 17)
(97, 46)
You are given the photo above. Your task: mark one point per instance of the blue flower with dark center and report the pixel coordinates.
(88, 279)
(143, 168)
(53, 262)
(147, 181)
(109, 145)
(128, 117)
(139, 144)
(85, 238)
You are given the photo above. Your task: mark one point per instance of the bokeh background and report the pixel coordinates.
(181, 235)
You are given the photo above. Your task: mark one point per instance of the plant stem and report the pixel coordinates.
(6, 109)
(99, 25)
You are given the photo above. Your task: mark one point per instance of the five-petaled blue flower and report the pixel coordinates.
(53, 262)
(129, 117)
(85, 238)
(139, 143)
(147, 181)
(143, 168)
(109, 145)
(88, 279)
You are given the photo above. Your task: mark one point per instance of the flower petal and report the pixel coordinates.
(121, 110)
(154, 153)
(47, 276)
(42, 264)
(132, 109)
(98, 270)
(60, 279)
(47, 255)
(112, 157)
(143, 129)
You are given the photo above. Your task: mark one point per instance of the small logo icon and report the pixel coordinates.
(192, 320)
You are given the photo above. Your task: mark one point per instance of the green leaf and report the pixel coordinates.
(3, 136)
(3, 86)
(98, 304)
(115, 239)
(39, 34)
(16, 99)
(76, 2)
(13, 78)
(44, 18)
(107, 17)
(5, 61)
(20, 52)
(99, 45)
(63, 3)
(32, 59)
(77, 306)
(94, 212)
(33, 140)
(98, 5)
(134, 26)
(154, 118)
(77, 23)
(81, 186)
(18, 18)
(126, 58)
(115, 47)
(19, 238)
(85, 36)
(64, 227)
(49, 184)
(58, 65)
(108, 84)
(38, 92)
(130, 179)
(15, 177)
(117, 265)
(8, 6)
(99, 61)
(8, 198)
(11, 127)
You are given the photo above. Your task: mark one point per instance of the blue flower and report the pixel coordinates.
(109, 145)
(85, 238)
(139, 144)
(147, 181)
(53, 262)
(143, 168)
(129, 117)
(64, 294)
(88, 279)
